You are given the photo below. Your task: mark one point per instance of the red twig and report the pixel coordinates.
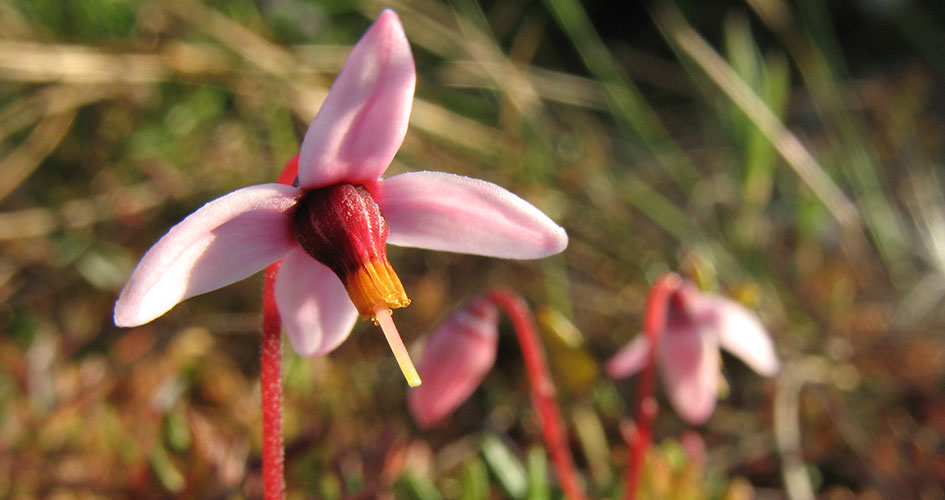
(654, 322)
(542, 390)
(271, 373)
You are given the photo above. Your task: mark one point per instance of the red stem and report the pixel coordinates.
(271, 373)
(542, 390)
(271, 380)
(654, 322)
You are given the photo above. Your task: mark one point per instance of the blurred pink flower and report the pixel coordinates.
(688, 349)
(455, 360)
(341, 213)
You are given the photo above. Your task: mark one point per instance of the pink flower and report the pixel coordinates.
(688, 349)
(456, 358)
(330, 228)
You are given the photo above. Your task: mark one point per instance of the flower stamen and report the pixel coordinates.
(342, 227)
(375, 284)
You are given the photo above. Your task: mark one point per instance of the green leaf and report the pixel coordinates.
(475, 481)
(538, 487)
(507, 469)
(413, 486)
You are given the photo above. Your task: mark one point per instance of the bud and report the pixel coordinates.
(455, 360)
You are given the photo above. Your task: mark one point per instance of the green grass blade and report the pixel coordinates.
(636, 117)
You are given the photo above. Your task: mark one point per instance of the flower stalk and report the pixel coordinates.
(654, 323)
(542, 390)
(271, 388)
(273, 455)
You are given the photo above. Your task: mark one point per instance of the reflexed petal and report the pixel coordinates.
(226, 240)
(456, 358)
(630, 359)
(449, 212)
(363, 120)
(741, 334)
(689, 365)
(314, 306)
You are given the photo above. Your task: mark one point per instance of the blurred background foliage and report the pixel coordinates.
(787, 154)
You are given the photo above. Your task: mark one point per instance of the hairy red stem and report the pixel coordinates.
(271, 380)
(542, 390)
(271, 373)
(654, 322)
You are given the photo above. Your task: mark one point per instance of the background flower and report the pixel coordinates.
(688, 349)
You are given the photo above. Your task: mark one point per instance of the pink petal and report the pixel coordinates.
(689, 365)
(743, 335)
(315, 309)
(363, 120)
(453, 213)
(456, 358)
(224, 241)
(630, 359)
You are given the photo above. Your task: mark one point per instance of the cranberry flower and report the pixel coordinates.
(331, 225)
(688, 349)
